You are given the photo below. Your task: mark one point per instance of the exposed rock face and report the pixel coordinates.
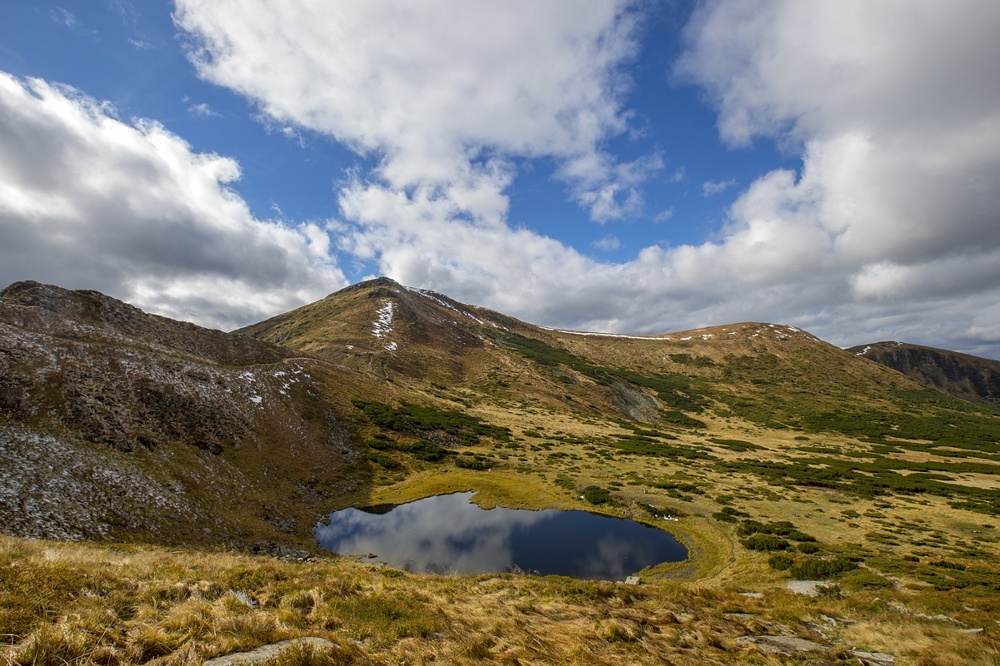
(267, 653)
(961, 375)
(114, 423)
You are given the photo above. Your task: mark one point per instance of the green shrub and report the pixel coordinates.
(472, 463)
(765, 542)
(383, 460)
(748, 527)
(808, 547)
(796, 535)
(425, 449)
(780, 562)
(735, 444)
(565, 482)
(867, 579)
(948, 565)
(596, 495)
(819, 569)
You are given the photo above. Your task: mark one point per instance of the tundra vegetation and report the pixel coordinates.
(772, 456)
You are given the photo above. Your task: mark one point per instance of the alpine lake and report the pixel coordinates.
(449, 534)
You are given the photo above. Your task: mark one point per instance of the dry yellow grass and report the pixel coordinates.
(91, 604)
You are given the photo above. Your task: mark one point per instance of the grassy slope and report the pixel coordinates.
(739, 423)
(92, 604)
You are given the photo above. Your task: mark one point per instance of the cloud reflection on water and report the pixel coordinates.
(449, 534)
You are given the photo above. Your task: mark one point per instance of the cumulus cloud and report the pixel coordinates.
(446, 92)
(895, 108)
(888, 229)
(90, 201)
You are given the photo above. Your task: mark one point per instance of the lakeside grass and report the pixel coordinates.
(103, 604)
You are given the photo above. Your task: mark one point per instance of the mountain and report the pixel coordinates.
(961, 375)
(771, 455)
(119, 424)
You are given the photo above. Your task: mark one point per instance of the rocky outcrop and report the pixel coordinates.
(960, 375)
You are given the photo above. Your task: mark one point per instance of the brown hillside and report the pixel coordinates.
(115, 423)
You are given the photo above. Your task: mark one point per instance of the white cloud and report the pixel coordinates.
(712, 187)
(203, 110)
(60, 15)
(89, 201)
(896, 109)
(664, 215)
(608, 243)
(889, 228)
(446, 92)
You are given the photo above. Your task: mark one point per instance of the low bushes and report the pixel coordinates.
(597, 495)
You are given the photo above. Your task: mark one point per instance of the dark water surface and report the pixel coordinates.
(449, 534)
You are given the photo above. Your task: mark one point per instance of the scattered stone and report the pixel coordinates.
(783, 645)
(741, 616)
(267, 652)
(752, 595)
(874, 658)
(978, 631)
(812, 588)
(282, 552)
(633, 580)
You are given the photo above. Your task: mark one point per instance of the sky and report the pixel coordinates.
(636, 167)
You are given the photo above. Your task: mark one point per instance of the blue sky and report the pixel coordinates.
(638, 167)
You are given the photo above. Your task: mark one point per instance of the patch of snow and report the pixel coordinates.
(383, 325)
(602, 335)
(248, 375)
(864, 351)
(256, 399)
(685, 339)
(391, 346)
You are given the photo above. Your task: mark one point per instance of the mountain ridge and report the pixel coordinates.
(773, 456)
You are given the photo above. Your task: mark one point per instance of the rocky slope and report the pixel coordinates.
(116, 423)
(961, 375)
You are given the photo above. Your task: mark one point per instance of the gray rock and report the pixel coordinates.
(812, 588)
(783, 645)
(874, 658)
(633, 580)
(266, 652)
